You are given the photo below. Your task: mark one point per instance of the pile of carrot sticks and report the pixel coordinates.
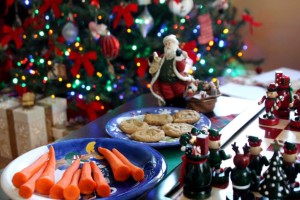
(39, 177)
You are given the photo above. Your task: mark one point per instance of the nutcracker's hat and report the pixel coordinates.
(272, 87)
(195, 131)
(214, 135)
(254, 141)
(290, 148)
(170, 38)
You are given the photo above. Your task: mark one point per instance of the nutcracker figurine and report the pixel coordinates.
(169, 80)
(295, 122)
(257, 161)
(272, 103)
(290, 166)
(285, 91)
(216, 156)
(196, 175)
(241, 176)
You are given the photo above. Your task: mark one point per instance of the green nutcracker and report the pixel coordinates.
(216, 156)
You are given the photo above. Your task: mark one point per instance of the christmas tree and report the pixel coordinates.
(96, 52)
(274, 184)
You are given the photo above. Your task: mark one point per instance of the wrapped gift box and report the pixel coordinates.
(55, 113)
(30, 128)
(7, 135)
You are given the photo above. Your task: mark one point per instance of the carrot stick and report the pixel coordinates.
(86, 183)
(72, 192)
(136, 172)
(102, 187)
(22, 176)
(26, 190)
(56, 191)
(46, 180)
(120, 171)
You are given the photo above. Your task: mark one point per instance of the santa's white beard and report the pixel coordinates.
(170, 53)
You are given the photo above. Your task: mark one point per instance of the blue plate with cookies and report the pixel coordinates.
(158, 127)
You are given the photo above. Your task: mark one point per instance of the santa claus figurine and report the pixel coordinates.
(272, 103)
(169, 80)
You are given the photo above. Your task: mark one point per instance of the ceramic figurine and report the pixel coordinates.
(257, 161)
(295, 122)
(241, 176)
(272, 103)
(169, 81)
(216, 156)
(196, 175)
(273, 184)
(284, 89)
(290, 166)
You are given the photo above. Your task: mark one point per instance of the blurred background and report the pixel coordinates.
(277, 40)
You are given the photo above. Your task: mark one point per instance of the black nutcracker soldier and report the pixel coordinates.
(257, 161)
(216, 156)
(241, 176)
(290, 166)
(284, 90)
(295, 121)
(196, 174)
(272, 103)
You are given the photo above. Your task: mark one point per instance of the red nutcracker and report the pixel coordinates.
(284, 89)
(295, 122)
(272, 103)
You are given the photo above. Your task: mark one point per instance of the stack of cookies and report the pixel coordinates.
(155, 127)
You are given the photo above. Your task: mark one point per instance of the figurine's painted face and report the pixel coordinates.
(272, 94)
(290, 158)
(170, 49)
(255, 150)
(214, 144)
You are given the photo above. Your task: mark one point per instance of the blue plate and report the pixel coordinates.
(143, 156)
(112, 126)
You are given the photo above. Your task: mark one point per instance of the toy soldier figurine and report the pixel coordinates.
(257, 161)
(272, 103)
(295, 122)
(290, 166)
(196, 174)
(285, 91)
(169, 81)
(216, 156)
(241, 176)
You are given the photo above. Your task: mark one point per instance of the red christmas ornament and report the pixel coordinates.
(110, 46)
